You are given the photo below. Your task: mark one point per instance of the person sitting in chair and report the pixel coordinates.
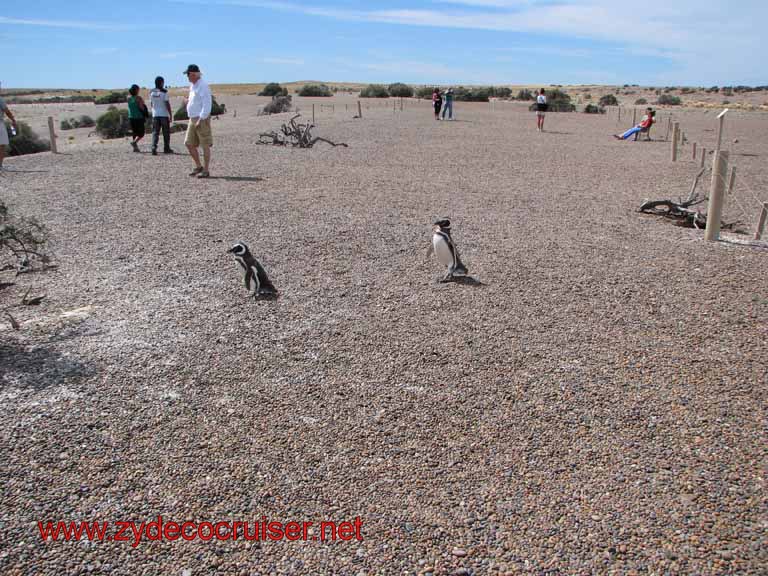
(644, 126)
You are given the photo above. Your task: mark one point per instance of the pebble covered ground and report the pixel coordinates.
(595, 405)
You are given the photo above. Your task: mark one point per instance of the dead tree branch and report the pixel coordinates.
(296, 135)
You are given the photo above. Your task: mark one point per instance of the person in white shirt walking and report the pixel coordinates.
(199, 129)
(162, 116)
(541, 110)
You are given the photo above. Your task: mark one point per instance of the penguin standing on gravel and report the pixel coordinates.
(446, 251)
(256, 280)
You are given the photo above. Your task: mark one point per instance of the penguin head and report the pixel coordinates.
(239, 249)
(443, 224)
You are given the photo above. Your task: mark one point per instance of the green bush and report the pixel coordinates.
(424, 92)
(592, 109)
(113, 98)
(274, 89)
(667, 100)
(476, 94)
(113, 123)
(608, 100)
(315, 90)
(557, 101)
(278, 105)
(400, 90)
(216, 110)
(374, 91)
(525, 95)
(640, 101)
(587, 96)
(82, 122)
(26, 141)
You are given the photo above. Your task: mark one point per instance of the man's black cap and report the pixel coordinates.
(192, 68)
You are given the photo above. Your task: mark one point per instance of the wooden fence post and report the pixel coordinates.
(721, 120)
(634, 116)
(694, 151)
(732, 180)
(761, 223)
(675, 137)
(359, 110)
(313, 113)
(669, 127)
(703, 157)
(52, 134)
(715, 208)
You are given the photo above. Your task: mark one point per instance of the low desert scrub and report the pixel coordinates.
(374, 91)
(608, 100)
(315, 90)
(82, 122)
(26, 141)
(279, 105)
(400, 90)
(112, 98)
(641, 101)
(274, 89)
(593, 109)
(525, 95)
(668, 100)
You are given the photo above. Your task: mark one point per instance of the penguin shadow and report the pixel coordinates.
(237, 178)
(464, 281)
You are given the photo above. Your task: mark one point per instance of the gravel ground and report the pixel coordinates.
(596, 406)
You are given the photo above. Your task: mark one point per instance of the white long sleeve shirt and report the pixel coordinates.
(200, 100)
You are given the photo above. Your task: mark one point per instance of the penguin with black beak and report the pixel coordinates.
(256, 280)
(446, 251)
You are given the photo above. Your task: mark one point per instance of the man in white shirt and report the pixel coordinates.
(199, 129)
(162, 116)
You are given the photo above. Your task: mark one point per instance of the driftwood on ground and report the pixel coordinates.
(296, 135)
(683, 210)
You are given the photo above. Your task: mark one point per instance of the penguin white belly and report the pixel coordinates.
(442, 250)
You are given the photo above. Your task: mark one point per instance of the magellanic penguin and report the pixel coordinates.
(256, 280)
(446, 251)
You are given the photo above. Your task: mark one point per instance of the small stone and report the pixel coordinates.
(459, 552)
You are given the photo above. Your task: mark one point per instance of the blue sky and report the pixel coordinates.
(105, 43)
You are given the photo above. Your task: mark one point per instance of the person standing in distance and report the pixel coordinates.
(199, 130)
(4, 142)
(162, 116)
(541, 110)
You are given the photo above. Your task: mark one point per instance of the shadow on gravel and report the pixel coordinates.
(25, 171)
(237, 178)
(558, 133)
(466, 281)
(38, 364)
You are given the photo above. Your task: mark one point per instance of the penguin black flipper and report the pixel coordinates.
(249, 276)
(265, 284)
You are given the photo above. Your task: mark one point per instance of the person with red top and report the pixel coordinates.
(644, 126)
(437, 102)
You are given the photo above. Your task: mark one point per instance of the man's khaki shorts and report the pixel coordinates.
(199, 135)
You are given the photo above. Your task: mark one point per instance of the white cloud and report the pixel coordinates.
(706, 38)
(76, 24)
